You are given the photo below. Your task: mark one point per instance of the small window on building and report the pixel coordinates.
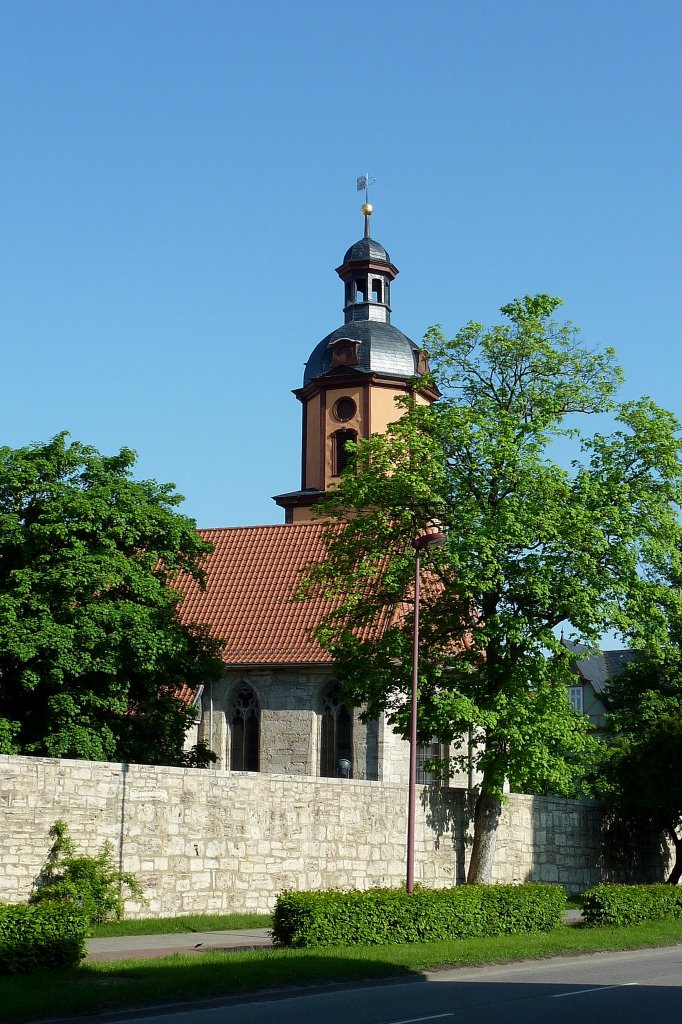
(575, 696)
(340, 455)
(344, 410)
(344, 352)
(360, 289)
(422, 362)
(245, 731)
(429, 752)
(336, 735)
(377, 289)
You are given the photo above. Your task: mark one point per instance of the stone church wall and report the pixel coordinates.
(220, 841)
(290, 702)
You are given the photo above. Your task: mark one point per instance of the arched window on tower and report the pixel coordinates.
(336, 733)
(245, 731)
(340, 455)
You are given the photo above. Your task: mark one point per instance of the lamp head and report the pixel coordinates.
(428, 540)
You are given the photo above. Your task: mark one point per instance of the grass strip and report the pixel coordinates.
(181, 925)
(106, 986)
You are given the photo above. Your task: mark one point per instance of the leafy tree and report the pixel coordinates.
(640, 775)
(91, 649)
(640, 780)
(530, 545)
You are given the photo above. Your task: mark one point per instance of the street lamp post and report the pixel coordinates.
(419, 544)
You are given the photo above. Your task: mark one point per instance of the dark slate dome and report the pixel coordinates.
(366, 249)
(382, 349)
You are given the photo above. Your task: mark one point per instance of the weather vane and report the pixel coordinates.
(364, 181)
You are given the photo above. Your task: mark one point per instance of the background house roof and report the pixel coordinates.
(250, 601)
(599, 667)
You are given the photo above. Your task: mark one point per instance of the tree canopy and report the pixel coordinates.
(91, 648)
(639, 779)
(530, 545)
(639, 775)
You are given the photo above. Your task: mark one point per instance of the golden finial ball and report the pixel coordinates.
(366, 209)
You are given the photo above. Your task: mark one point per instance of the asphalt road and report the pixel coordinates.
(641, 987)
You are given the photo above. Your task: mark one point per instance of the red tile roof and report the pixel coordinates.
(250, 598)
(187, 694)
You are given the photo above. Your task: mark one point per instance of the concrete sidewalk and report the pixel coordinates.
(126, 947)
(136, 947)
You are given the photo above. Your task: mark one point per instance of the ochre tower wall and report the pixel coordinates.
(313, 449)
(330, 424)
(305, 514)
(385, 410)
(376, 408)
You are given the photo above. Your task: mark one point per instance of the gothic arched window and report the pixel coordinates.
(336, 734)
(245, 731)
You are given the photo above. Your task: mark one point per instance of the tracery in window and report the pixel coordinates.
(245, 731)
(336, 734)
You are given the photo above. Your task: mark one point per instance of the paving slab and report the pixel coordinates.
(125, 947)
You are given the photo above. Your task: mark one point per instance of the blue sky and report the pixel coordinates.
(179, 185)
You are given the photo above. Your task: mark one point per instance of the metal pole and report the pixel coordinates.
(413, 732)
(435, 537)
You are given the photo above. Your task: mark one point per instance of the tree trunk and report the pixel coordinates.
(486, 819)
(676, 872)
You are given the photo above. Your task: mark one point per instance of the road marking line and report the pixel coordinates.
(415, 1020)
(587, 991)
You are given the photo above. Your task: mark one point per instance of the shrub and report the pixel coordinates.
(377, 916)
(94, 884)
(199, 756)
(44, 937)
(630, 904)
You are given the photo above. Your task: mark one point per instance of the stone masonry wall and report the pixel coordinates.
(291, 703)
(220, 841)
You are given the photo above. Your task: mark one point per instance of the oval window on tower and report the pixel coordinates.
(344, 410)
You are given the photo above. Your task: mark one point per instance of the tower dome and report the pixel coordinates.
(366, 249)
(377, 346)
(354, 375)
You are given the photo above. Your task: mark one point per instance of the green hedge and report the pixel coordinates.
(377, 916)
(50, 935)
(630, 904)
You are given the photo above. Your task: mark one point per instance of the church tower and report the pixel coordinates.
(353, 376)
